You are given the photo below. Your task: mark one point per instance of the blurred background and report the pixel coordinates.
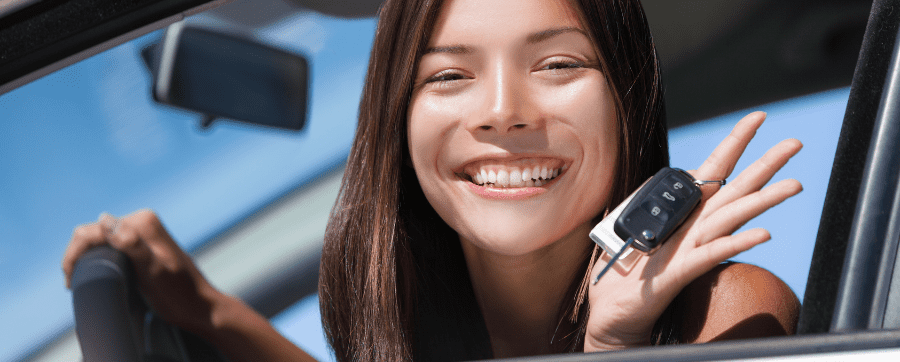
(251, 202)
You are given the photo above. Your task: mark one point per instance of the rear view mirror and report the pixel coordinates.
(224, 76)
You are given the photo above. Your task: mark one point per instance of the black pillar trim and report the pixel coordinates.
(843, 195)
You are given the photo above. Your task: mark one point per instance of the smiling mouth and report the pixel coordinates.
(523, 173)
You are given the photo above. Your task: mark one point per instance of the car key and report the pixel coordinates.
(649, 216)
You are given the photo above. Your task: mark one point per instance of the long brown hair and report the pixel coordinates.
(393, 283)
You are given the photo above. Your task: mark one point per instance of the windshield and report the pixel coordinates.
(89, 139)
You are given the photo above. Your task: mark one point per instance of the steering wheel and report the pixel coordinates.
(114, 323)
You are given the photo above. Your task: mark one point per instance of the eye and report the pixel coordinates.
(445, 76)
(562, 64)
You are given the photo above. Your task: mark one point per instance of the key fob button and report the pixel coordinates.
(678, 185)
(669, 197)
(657, 210)
(634, 223)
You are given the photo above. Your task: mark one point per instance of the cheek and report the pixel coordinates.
(601, 138)
(599, 131)
(589, 114)
(428, 124)
(421, 134)
(587, 109)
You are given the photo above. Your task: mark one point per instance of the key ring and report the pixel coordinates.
(700, 182)
(704, 182)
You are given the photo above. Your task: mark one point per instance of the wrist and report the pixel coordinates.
(615, 343)
(242, 334)
(219, 313)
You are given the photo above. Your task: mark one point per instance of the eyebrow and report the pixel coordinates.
(549, 33)
(450, 49)
(531, 39)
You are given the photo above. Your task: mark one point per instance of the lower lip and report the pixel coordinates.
(514, 193)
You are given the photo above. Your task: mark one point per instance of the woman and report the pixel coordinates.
(492, 137)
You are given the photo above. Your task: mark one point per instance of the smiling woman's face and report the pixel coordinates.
(512, 127)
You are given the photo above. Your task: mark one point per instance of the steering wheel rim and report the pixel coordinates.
(114, 323)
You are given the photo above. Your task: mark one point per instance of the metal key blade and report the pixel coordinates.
(613, 260)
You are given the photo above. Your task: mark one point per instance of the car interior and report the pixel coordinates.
(852, 296)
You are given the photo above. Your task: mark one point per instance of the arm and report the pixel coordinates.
(175, 288)
(244, 335)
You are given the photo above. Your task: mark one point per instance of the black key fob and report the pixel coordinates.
(647, 218)
(657, 209)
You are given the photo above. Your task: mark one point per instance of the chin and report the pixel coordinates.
(511, 235)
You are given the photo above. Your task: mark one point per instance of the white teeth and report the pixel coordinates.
(515, 178)
(502, 178)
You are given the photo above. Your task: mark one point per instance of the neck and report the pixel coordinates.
(520, 296)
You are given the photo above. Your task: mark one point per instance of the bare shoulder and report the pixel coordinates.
(735, 301)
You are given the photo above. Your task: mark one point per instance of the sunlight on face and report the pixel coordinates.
(512, 127)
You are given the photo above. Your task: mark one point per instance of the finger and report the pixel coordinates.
(84, 238)
(757, 174)
(725, 248)
(128, 240)
(108, 222)
(157, 238)
(152, 229)
(734, 215)
(720, 163)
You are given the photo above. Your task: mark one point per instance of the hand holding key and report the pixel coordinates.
(625, 304)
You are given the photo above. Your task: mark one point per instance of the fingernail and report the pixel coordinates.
(110, 223)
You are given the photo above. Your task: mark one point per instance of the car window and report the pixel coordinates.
(89, 138)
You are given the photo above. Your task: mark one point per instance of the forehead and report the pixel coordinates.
(472, 20)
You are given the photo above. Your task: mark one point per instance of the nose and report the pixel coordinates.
(505, 106)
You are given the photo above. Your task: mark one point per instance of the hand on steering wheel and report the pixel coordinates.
(168, 278)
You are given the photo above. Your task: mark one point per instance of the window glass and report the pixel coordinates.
(302, 324)
(89, 139)
(816, 121)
